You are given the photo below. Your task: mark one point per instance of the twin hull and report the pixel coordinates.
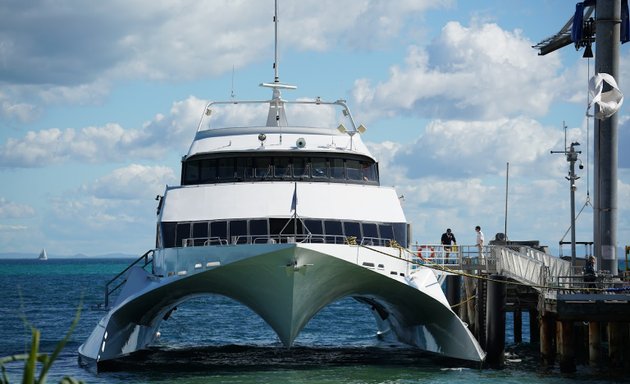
(286, 285)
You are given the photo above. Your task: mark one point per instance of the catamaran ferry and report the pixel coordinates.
(280, 208)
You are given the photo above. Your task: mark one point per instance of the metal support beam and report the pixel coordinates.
(607, 20)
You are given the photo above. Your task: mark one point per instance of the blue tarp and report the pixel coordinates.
(625, 24)
(577, 29)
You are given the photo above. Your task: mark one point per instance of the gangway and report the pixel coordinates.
(524, 264)
(530, 266)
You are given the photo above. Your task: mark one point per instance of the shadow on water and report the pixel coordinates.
(253, 358)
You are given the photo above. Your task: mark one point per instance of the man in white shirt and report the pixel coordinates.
(480, 240)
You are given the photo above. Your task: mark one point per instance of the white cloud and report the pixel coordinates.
(456, 148)
(453, 176)
(132, 182)
(73, 53)
(81, 94)
(478, 72)
(108, 143)
(119, 205)
(88, 224)
(537, 207)
(12, 228)
(12, 210)
(16, 111)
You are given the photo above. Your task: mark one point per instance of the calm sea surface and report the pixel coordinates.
(216, 340)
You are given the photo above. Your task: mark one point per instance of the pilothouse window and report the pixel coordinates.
(235, 168)
(192, 173)
(263, 167)
(244, 168)
(282, 167)
(208, 171)
(337, 169)
(225, 169)
(300, 168)
(354, 170)
(320, 168)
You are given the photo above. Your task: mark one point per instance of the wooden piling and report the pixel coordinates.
(534, 333)
(480, 312)
(594, 343)
(469, 284)
(616, 336)
(566, 346)
(495, 321)
(462, 310)
(453, 289)
(547, 337)
(518, 326)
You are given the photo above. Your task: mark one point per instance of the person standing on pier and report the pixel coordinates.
(480, 240)
(448, 239)
(589, 273)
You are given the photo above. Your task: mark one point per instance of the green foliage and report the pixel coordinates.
(33, 357)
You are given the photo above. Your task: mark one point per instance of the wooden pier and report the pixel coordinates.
(571, 322)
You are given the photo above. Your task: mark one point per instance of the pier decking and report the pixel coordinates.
(566, 314)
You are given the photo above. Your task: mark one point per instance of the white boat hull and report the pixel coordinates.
(286, 285)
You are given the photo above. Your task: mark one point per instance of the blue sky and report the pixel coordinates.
(99, 101)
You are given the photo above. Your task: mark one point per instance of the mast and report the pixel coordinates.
(276, 77)
(276, 116)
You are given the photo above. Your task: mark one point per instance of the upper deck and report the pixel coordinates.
(278, 125)
(306, 140)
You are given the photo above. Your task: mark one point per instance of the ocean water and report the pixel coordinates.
(216, 340)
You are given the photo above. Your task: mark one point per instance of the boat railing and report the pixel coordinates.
(121, 278)
(452, 256)
(287, 238)
(203, 241)
(306, 112)
(600, 283)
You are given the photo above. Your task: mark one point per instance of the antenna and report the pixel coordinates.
(572, 156)
(276, 116)
(276, 77)
(276, 85)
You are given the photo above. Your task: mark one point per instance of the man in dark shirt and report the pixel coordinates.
(448, 239)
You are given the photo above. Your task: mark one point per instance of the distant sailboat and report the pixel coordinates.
(43, 255)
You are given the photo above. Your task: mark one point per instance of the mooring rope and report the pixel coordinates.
(464, 302)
